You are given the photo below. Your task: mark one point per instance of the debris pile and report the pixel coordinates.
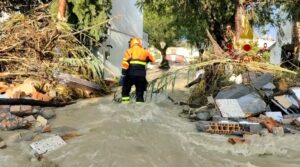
(43, 64)
(59, 68)
(250, 102)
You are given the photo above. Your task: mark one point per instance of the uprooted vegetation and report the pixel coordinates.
(35, 46)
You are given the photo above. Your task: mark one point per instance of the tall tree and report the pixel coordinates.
(214, 14)
(161, 29)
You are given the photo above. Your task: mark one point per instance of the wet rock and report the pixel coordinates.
(28, 136)
(30, 119)
(61, 131)
(2, 144)
(14, 138)
(202, 126)
(217, 118)
(47, 113)
(204, 115)
(278, 131)
(41, 121)
(48, 163)
(264, 132)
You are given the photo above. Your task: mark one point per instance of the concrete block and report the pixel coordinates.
(47, 113)
(41, 121)
(48, 145)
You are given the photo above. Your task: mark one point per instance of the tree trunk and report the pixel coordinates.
(296, 39)
(62, 4)
(238, 19)
(165, 63)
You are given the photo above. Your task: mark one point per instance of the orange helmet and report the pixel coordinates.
(135, 41)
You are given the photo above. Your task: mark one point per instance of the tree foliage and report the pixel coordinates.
(194, 16)
(160, 28)
(90, 16)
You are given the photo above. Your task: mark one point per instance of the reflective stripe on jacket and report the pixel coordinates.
(135, 60)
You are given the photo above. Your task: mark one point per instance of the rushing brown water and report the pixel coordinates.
(149, 135)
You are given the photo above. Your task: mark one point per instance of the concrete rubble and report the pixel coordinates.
(257, 107)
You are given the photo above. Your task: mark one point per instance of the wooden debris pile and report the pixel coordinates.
(35, 51)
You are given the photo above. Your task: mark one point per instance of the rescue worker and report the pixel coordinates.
(134, 70)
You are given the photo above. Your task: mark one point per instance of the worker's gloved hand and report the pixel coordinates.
(122, 80)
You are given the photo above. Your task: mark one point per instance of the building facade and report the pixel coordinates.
(127, 23)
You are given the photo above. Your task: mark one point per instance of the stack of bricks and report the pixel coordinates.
(223, 128)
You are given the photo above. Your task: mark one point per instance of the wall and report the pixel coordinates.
(128, 24)
(283, 37)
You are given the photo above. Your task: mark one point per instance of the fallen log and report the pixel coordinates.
(31, 102)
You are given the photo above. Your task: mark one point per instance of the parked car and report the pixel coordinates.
(176, 59)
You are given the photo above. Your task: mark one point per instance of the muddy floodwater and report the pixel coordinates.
(149, 135)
